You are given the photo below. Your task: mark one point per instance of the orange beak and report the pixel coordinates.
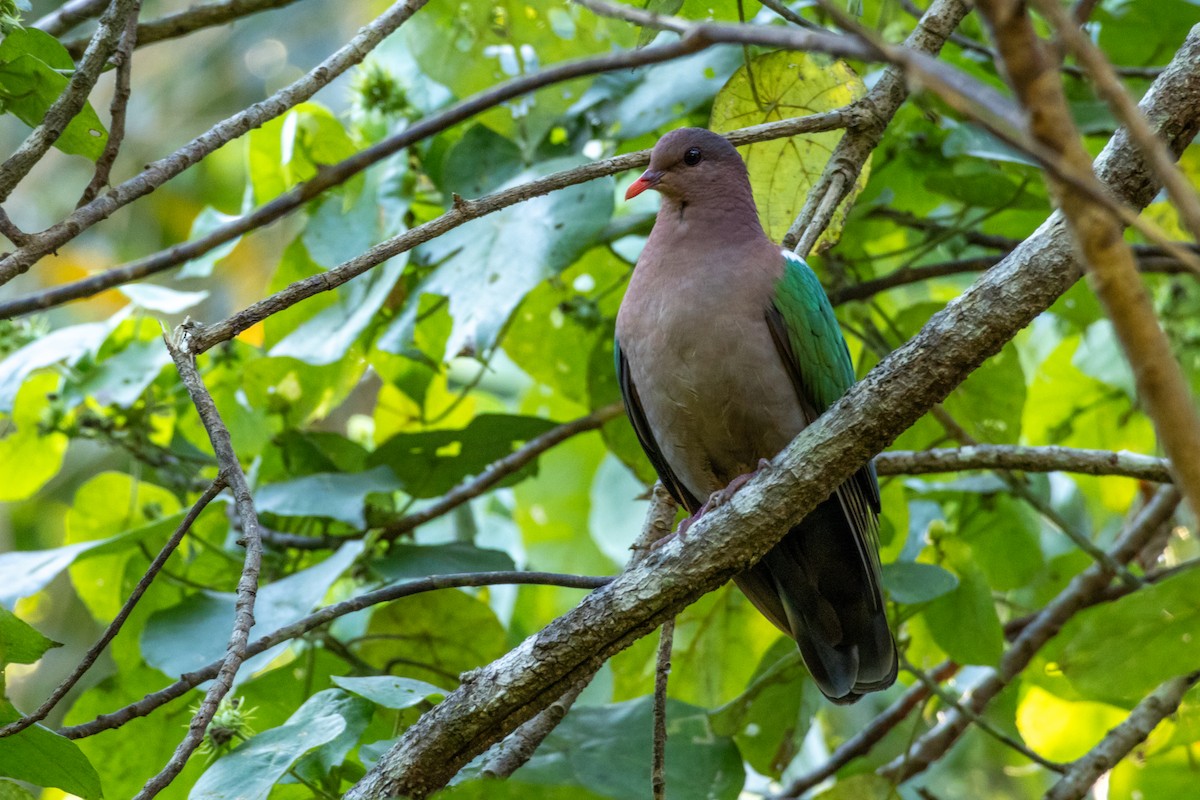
(648, 180)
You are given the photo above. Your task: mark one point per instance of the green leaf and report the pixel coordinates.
(487, 266)
(30, 82)
(291, 149)
(119, 379)
(389, 691)
(12, 791)
(408, 561)
(63, 345)
(159, 298)
(20, 642)
(964, 622)
(910, 582)
(859, 787)
(430, 463)
(607, 750)
(207, 221)
(249, 772)
(41, 757)
(29, 457)
(331, 495)
(1162, 619)
(779, 86)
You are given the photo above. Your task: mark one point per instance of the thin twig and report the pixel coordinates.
(1084, 586)
(159, 172)
(321, 617)
(1120, 741)
(68, 15)
(861, 743)
(662, 671)
(516, 750)
(247, 589)
(978, 720)
(1025, 459)
(120, 103)
(1182, 194)
(114, 627)
(71, 101)
(193, 19)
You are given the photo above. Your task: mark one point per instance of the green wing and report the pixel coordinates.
(818, 361)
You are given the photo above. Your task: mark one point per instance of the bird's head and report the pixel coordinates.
(691, 164)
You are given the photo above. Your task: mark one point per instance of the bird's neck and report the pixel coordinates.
(731, 216)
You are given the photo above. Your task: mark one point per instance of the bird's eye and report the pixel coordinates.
(692, 157)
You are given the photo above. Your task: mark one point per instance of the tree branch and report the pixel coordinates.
(1121, 740)
(1026, 459)
(193, 19)
(72, 99)
(159, 172)
(68, 15)
(120, 103)
(497, 698)
(1079, 593)
(247, 589)
(321, 617)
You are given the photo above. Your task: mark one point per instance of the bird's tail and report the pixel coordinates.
(816, 585)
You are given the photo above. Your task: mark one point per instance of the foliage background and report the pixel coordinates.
(361, 405)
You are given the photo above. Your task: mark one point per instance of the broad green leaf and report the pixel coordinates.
(1005, 538)
(356, 712)
(20, 642)
(118, 379)
(13, 791)
(859, 787)
(249, 772)
(433, 637)
(606, 749)
(910, 582)
(30, 457)
(1162, 619)
(205, 618)
(430, 463)
(63, 345)
(487, 266)
(778, 86)
(340, 496)
(480, 162)
(41, 757)
(389, 691)
(290, 149)
(30, 82)
(336, 233)
(964, 622)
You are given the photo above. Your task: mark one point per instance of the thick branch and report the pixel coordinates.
(497, 698)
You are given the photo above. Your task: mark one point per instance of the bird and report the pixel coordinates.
(726, 348)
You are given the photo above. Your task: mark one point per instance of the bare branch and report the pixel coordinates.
(1111, 268)
(114, 627)
(68, 15)
(193, 19)
(662, 671)
(247, 589)
(117, 109)
(72, 99)
(1078, 594)
(159, 172)
(321, 617)
(1121, 740)
(1026, 459)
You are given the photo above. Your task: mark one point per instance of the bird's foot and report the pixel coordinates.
(719, 498)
